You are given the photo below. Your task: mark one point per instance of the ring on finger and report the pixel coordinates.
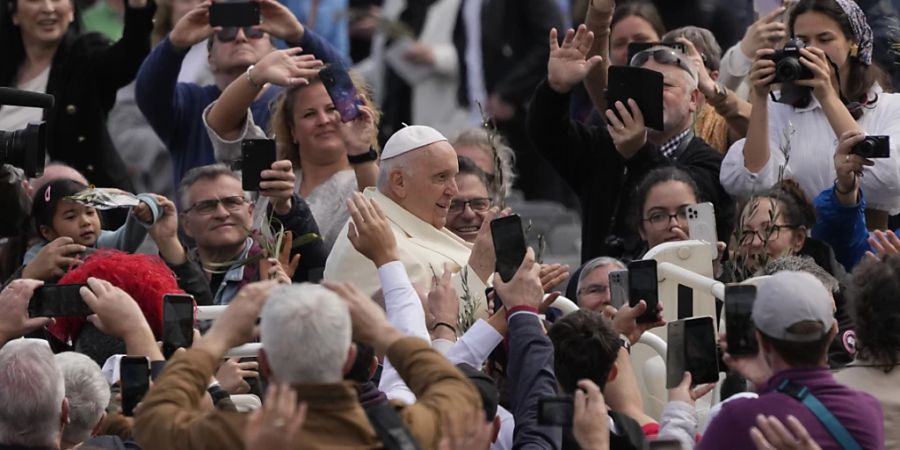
(279, 423)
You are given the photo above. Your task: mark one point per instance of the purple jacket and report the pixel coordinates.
(859, 412)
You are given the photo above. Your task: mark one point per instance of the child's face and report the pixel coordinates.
(79, 222)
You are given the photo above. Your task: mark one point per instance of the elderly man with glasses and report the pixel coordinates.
(216, 215)
(604, 164)
(175, 109)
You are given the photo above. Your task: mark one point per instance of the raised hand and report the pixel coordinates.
(272, 269)
(115, 312)
(236, 326)
(628, 134)
(552, 275)
(524, 289)
(684, 393)
(824, 82)
(443, 301)
(705, 83)
(369, 231)
(14, 320)
(766, 32)
(192, 28)
(286, 68)
(279, 21)
(568, 65)
(277, 183)
(884, 243)
(762, 73)
(590, 424)
(625, 320)
(770, 434)
(359, 134)
(370, 324)
(277, 422)
(483, 259)
(232, 372)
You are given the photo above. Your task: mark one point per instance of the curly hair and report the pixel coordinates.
(876, 312)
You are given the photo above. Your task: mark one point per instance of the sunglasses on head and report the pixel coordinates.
(228, 34)
(662, 55)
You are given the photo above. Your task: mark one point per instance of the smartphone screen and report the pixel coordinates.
(644, 86)
(618, 288)
(741, 333)
(509, 245)
(556, 411)
(342, 91)
(58, 300)
(700, 356)
(256, 155)
(178, 322)
(234, 14)
(135, 375)
(643, 285)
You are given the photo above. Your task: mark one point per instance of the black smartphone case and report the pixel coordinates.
(644, 86)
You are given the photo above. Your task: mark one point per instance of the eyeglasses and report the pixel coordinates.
(662, 55)
(480, 204)
(660, 219)
(204, 207)
(771, 232)
(229, 34)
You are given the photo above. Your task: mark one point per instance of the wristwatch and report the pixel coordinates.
(626, 343)
(372, 155)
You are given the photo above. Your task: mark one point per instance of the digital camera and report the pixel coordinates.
(788, 67)
(873, 147)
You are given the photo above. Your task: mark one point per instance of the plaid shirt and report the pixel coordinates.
(668, 149)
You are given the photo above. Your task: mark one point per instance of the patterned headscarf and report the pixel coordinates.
(860, 28)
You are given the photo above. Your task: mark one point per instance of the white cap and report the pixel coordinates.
(787, 298)
(410, 138)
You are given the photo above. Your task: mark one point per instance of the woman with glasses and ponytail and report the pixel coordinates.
(834, 88)
(44, 51)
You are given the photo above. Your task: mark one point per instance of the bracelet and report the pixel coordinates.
(372, 155)
(626, 343)
(836, 189)
(250, 77)
(437, 324)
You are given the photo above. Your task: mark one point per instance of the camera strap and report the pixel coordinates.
(831, 423)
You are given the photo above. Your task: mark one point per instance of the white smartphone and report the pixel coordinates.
(618, 288)
(702, 225)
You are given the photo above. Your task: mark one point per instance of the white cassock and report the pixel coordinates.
(423, 250)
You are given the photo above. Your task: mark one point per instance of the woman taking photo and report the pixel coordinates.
(44, 51)
(846, 92)
(331, 159)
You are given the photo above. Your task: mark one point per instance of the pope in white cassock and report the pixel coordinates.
(416, 181)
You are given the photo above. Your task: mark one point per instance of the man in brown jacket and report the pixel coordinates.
(305, 331)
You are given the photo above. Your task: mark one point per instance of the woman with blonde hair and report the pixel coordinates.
(331, 158)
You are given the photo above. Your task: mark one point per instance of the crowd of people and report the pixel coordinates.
(362, 270)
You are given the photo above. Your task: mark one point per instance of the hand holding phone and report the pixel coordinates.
(644, 86)
(135, 375)
(691, 347)
(58, 300)
(702, 226)
(509, 245)
(343, 93)
(256, 155)
(740, 331)
(644, 285)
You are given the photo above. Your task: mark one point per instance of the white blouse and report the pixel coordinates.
(810, 160)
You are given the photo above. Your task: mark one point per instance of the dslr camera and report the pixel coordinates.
(25, 148)
(873, 147)
(787, 63)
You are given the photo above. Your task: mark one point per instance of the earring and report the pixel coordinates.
(854, 50)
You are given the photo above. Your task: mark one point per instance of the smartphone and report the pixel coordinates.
(58, 300)
(556, 411)
(618, 288)
(178, 322)
(702, 226)
(644, 86)
(234, 14)
(135, 375)
(509, 245)
(637, 47)
(873, 147)
(692, 348)
(342, 91)
(741, 333)
(643, 285)
(256, 155)
(663, 444)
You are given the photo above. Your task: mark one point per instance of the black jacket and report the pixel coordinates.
(514, 47)
(85, 74)
(604, 181)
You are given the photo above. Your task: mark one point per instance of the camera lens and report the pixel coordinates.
(24, 148)
(865, 148)
(788, 69)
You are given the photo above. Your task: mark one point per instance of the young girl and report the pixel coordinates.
(55, 216)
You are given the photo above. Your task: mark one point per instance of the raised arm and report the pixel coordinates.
(597, 20)
(117, 65)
